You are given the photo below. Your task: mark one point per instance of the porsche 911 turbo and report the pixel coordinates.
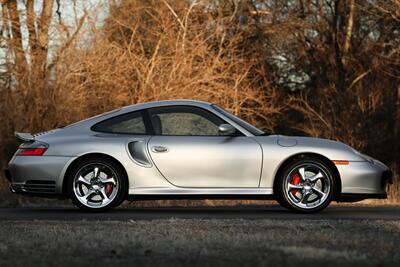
(186, 149)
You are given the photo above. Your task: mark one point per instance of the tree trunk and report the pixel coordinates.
(349, 30)
(30, 23)
(43, 36)
(16, 40)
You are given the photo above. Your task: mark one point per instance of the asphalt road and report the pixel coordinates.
(335, 212)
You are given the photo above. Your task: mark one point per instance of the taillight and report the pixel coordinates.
(31, 150)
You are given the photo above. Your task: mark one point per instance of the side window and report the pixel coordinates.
(184, 120)
(131, 123)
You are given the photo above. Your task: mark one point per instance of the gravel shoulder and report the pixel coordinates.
(200, 242)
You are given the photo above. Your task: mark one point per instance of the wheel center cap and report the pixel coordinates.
(96, 187)
(307, 187)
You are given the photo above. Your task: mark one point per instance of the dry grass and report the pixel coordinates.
(394, 190)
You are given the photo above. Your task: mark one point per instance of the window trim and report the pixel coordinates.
(149, 126)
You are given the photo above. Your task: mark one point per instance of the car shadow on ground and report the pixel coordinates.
(219, 212)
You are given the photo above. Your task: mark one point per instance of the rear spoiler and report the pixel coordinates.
(25, 137)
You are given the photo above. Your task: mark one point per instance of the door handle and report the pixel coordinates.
(159, 149)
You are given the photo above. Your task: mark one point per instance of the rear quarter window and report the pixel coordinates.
(131, 123)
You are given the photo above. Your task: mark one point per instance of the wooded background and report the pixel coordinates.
(323, 68)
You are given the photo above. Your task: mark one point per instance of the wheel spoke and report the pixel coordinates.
(89, 193)
(86, 196)
(110, 180)
(314, 178)
(318, 192)
(103, 194)
(302, 174)
(294, 186)
(82, 180)
(305, 197)
(95, 172)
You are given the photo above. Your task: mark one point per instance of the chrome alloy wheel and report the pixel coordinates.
(95, 185)
(307, 186)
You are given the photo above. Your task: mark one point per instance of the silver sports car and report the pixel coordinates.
(188, 149)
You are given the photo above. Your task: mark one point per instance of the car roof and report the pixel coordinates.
(180, 102)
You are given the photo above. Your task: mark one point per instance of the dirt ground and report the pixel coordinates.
(194, 242)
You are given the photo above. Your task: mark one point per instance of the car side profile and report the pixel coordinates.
(187, 149)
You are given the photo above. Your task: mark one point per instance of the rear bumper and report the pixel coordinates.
(37, 175)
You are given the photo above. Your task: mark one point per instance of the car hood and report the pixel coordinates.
(288, 141)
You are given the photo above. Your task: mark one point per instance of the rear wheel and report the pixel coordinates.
(97, 184)
(305, 185)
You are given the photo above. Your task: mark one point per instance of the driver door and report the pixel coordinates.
(189, 152)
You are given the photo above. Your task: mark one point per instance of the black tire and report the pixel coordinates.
(119, 176)
(280, 191)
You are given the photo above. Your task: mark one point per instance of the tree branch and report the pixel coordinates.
(70, 40)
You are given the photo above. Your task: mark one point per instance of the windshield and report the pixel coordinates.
(247, 126)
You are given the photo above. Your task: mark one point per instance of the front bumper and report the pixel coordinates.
(365, 178)
(37, 175)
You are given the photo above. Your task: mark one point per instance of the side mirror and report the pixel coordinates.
(226, 129)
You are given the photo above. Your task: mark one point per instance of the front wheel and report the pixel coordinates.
(96, 184)
(305, 185)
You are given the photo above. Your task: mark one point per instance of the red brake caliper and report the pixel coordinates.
(295, 181)
(109, 189)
